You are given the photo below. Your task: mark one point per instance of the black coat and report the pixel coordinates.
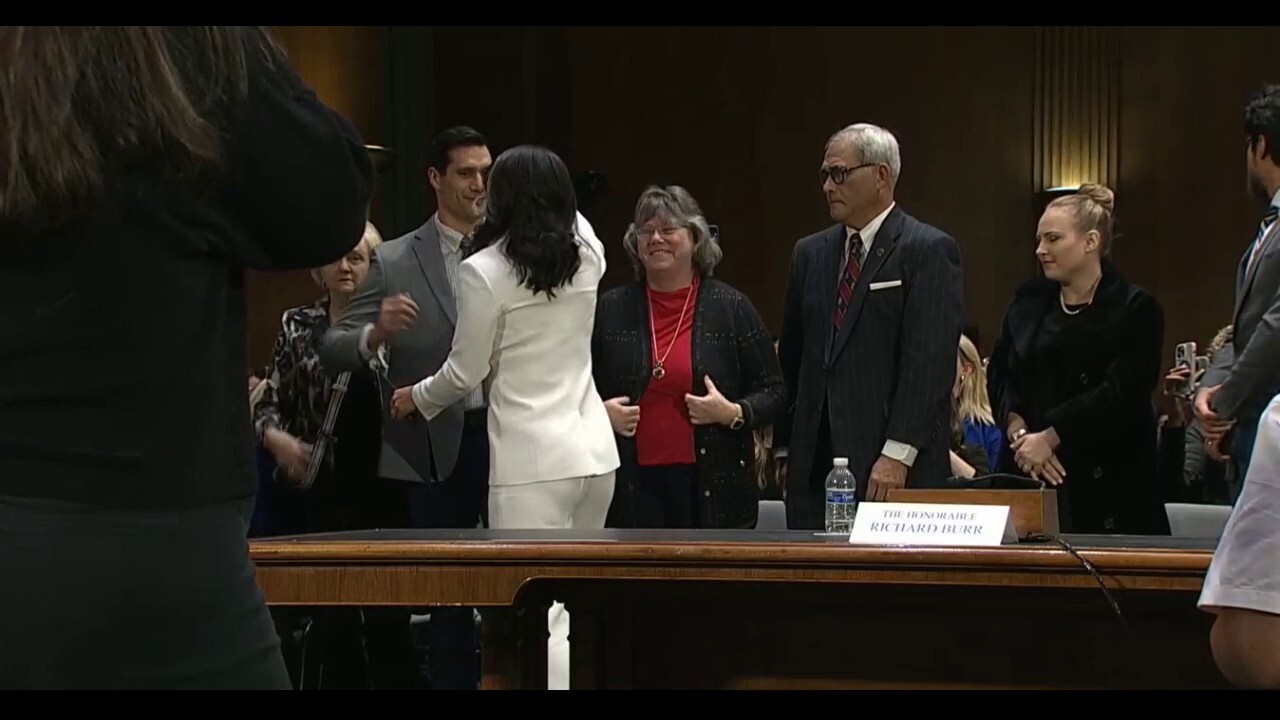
(1093, 384)
(732, 345)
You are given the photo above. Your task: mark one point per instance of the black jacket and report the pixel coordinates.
(1095, 389)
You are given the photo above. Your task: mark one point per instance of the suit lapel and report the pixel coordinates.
(1252, 272)
(886, 240)
(426, 247)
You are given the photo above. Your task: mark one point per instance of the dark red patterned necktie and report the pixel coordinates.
(848, 278)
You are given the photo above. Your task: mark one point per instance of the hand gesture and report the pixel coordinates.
(712, 408)
(887, 474)
(1035, 456)
(623, 416)
(1174, 381)
(402, 403)
(1213, 448)
(396, 314)
(1214, 425)
(292, 455)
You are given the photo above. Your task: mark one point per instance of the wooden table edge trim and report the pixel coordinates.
(1037, 557)
(519, 579)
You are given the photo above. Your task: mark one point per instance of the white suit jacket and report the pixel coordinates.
(546, 419)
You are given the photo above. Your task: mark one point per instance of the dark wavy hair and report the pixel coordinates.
(79, 103)
(448, 141)
(532, 205)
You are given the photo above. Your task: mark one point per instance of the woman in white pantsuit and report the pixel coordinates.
(526, 308)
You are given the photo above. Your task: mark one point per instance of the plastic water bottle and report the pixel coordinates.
(842, 498)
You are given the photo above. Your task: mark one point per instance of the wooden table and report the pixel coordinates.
(747, 609)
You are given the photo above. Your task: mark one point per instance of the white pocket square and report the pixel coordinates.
(886, 285)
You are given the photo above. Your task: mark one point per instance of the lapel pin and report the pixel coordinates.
(879, 252)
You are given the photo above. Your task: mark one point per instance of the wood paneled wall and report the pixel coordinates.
(1077, 107)
(344, 65)
(986, 117)
(740, 115)
(1184, 209)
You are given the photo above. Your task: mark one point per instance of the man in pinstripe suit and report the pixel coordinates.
(870, 331)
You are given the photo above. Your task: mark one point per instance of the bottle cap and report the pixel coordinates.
(841, 462)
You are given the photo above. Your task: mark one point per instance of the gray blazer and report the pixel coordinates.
(410, 264)
(1249, 367)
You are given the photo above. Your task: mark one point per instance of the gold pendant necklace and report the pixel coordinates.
(658, 371)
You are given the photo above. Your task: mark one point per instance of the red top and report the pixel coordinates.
(665, 434)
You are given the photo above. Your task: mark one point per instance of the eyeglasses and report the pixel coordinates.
(667, 233)
(839, 173)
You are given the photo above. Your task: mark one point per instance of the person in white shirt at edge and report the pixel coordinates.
(1243, 585)
(526, 309)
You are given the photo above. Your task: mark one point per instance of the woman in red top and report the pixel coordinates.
(688, 371)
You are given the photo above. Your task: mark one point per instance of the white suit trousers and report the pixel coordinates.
(553, 504)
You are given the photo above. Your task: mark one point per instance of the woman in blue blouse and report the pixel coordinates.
(974, 408)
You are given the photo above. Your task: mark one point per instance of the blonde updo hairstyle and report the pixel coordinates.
(1093, 207)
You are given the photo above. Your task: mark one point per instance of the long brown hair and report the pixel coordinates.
(77, 103)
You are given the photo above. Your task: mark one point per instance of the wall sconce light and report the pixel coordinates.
(1054, 193)
(1048, 195)
(383, 159)
(1076, 109)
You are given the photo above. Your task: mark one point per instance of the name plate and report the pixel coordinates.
(926, 524)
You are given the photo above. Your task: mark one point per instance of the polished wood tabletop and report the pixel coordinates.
(738, 609)
(344, 562)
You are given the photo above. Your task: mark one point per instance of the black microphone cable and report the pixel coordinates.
(1088, 566)
(1011, 481)
(1031, 483)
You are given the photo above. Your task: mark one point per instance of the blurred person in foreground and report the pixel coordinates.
(142, 169)
(1242, 588)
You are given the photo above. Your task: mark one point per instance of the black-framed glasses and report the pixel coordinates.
(839, 173)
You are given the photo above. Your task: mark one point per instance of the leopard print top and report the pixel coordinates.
(297, 392)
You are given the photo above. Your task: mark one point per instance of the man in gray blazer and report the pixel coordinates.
(402, 320)
(1245, 375)
(870, 333)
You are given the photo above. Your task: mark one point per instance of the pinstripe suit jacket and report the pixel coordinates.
(887, 372)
